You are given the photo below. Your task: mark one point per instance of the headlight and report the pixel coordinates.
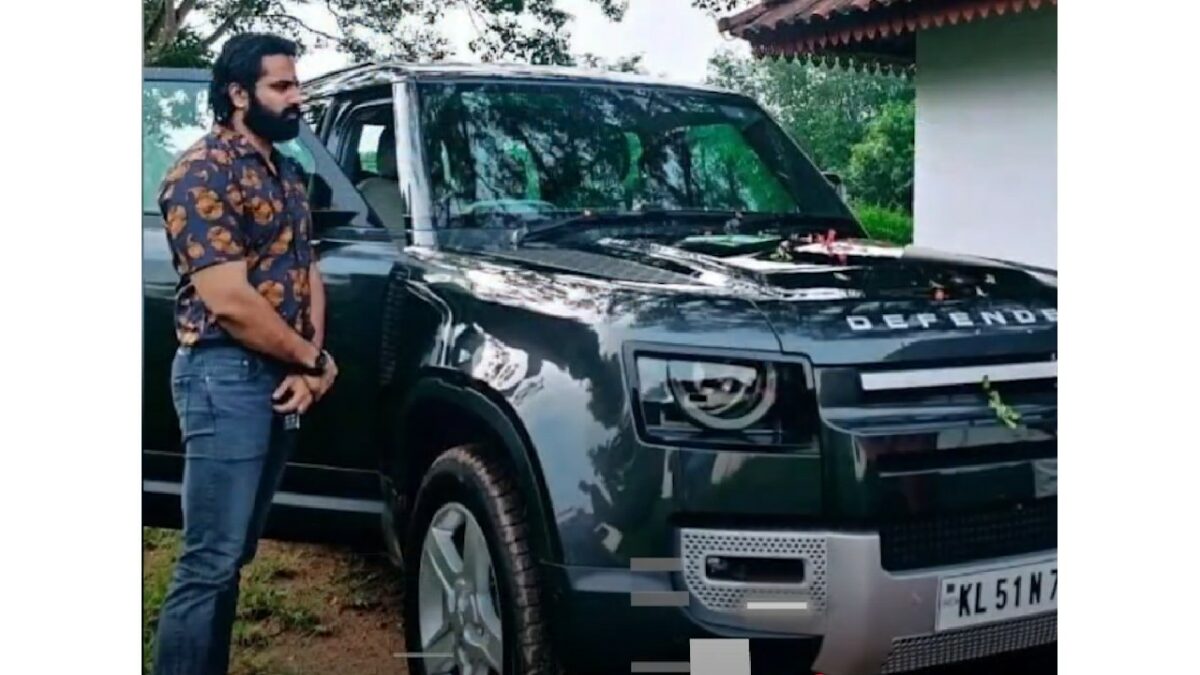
(724, 401)
(723, 396)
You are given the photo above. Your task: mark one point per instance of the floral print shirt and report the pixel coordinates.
(222, 202)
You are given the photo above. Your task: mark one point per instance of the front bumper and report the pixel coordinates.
(871, 620)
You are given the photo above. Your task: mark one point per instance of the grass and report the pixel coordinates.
(160, 548)
(267, 607)
(365, 583)
(885, 224)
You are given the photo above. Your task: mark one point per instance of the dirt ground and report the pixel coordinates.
(304, 609)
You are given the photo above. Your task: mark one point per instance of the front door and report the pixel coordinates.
(337, 460)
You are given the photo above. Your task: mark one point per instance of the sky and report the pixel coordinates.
(675, 39)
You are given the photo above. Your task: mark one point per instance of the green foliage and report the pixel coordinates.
(530, 31)
(725, 168)
(827, 111)
(881, 164)
(370, 161)
(625, 64)
(1007, 414)
(885, 224)
(717, 8)
(187, 51)
(161, 549)
(264, 599)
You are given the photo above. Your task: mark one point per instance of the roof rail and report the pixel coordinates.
(341, 71)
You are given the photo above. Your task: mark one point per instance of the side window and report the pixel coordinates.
(368, 155)
(296, 150)
(319, 192)
(174, 116)
(368, 149)
(314, 112)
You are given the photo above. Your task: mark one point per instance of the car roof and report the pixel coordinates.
(376, 74)
(369, 75)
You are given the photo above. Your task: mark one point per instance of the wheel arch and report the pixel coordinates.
(439, 396)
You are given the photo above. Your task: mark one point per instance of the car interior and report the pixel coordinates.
(381, 188)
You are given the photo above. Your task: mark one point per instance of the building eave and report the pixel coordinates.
(871, 33)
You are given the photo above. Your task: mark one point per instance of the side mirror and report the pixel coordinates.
(836, 181)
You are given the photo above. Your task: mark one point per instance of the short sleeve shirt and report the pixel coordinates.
(221, 202)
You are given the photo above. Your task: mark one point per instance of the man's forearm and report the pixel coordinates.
(251, 320)
(317, 288)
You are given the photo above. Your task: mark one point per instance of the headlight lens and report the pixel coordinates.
(722, 395)
(714, 395)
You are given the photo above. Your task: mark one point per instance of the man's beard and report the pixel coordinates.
(271, 127)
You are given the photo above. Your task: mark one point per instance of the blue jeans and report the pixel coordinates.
(236, 448)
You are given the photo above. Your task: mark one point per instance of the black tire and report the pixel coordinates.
(484, 485)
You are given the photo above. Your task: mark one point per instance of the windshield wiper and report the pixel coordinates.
(731, 221)
(808, 221)
(588, 220)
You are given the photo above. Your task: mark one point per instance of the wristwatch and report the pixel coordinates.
(317, 369)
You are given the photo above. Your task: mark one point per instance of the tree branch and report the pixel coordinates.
(180, 15)
(220, 30)
(166, 28)
(471, 15)
(173, 18)
(151, 29)
(298, 22)
(240, 10)
(338, 17)
(182, 12)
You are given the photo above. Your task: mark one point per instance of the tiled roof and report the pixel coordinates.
(771, 14)
(879, 29)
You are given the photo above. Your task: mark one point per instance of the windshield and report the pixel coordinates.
(536, 149)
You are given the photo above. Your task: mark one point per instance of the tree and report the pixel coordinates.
(184, 32)
(722, 7)
(856, 124)
(827, 110)
(881, 164)
(624, 64)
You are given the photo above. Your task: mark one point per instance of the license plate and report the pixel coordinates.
(998, 594)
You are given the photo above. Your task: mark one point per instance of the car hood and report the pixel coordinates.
(846, 301)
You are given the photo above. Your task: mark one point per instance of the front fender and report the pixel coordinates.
(451, 390)
(546, 350)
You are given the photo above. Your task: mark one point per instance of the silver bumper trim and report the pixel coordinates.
(871, 619)
(946, 377)
(773, 607)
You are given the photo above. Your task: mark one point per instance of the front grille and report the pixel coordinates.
(958, 538)
(925, 651)
(731, 596)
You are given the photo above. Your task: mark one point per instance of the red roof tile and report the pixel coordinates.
(856, 27)
(772, 14)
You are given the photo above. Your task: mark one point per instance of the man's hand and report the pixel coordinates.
(293, 395)
(321, 385)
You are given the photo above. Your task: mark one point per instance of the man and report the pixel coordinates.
(249, 316)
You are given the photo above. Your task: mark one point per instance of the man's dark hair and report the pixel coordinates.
(240, 62)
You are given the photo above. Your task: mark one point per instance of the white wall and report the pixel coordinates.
(986, 160)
